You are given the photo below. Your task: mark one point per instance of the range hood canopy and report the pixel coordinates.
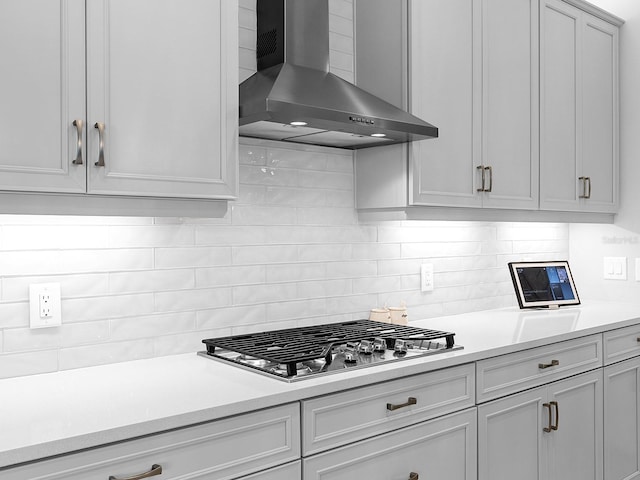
(293, 97)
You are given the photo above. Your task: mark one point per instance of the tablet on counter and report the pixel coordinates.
(543, 284)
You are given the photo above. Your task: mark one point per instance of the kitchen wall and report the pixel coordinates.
(290, 251)
(590, 243)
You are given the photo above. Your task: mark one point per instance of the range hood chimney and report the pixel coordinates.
(293, 97)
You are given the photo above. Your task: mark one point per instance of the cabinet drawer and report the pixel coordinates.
(229, 448)
(514, 372)
(444, 448)
(621, 344)
(290, 471)
(345, 417)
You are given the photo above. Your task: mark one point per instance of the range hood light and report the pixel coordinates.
(298, 124)
(378, 135)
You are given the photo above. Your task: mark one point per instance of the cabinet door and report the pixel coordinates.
(41, 94)
(560, 108)
(622, 420)
(162, 78)
(600, 113)
(510, 102)
(576, 448)
(441, 448)
(510, 437)
(445, 90)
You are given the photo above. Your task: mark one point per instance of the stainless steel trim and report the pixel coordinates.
(550, 426)
(555, 407)
(78, 124)
(410, 401)
(490, 169)
(155, 470)
(554, 363)
(100, 127)
(482, 169)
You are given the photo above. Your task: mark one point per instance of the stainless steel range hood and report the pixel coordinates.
(293, 97)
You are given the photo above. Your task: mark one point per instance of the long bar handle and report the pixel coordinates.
(413, 476)
(550, 426)
(155, 470)
(78, 124)
(482, 169)
(554, 404)
(410, 401)
(490, 170)
(554, 363)
(100, 127)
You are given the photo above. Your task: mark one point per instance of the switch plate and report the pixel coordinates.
(426, 277)
(614, 268)
(44, 305)
(637, 269)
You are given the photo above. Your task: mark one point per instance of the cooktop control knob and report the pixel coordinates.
(365, 346)
(379, 344)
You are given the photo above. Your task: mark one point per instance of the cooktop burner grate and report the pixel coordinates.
(291, 346)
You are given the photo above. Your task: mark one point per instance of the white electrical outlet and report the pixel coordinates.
(426, 277)
(44, 305)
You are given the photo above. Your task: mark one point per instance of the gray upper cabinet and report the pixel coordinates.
(579, 109)
(476, 70)
(159, 80)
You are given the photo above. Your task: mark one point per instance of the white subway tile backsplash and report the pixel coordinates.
(258, 255)
(150, 326)
(195, 299)
(151, 281)
(236, 275)
(88, 309)
(290, 252)
(183, 257)
(231, 318)
(17, 365)
(101, 354)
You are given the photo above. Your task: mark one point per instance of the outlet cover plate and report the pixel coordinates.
(426, 277)
(37, 294)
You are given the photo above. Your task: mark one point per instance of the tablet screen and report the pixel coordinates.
(543, 284)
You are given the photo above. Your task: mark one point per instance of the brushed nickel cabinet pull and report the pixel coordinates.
(413, 476)
(550, 426)
(100, 127)
(78, 124)
(155, 470)
(410, 401)
(586, 187)
(554, 363)
(482, 169)
(555, 407)
(490, 169)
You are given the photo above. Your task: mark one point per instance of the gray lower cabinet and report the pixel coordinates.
(551, 432)
(440, 448)
(265, 444)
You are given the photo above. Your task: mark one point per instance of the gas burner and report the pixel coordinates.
(297, 353)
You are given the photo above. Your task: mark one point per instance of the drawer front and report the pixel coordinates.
(224, 449)
(621, 344)
(345, 417)
(514, 372)
(290, 471)
(444, 448)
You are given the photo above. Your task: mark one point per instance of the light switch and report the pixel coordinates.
(615, 268)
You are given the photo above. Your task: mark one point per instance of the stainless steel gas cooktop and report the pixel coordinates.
(299, 353)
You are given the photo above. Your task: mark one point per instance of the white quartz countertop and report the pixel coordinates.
(56, 413)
